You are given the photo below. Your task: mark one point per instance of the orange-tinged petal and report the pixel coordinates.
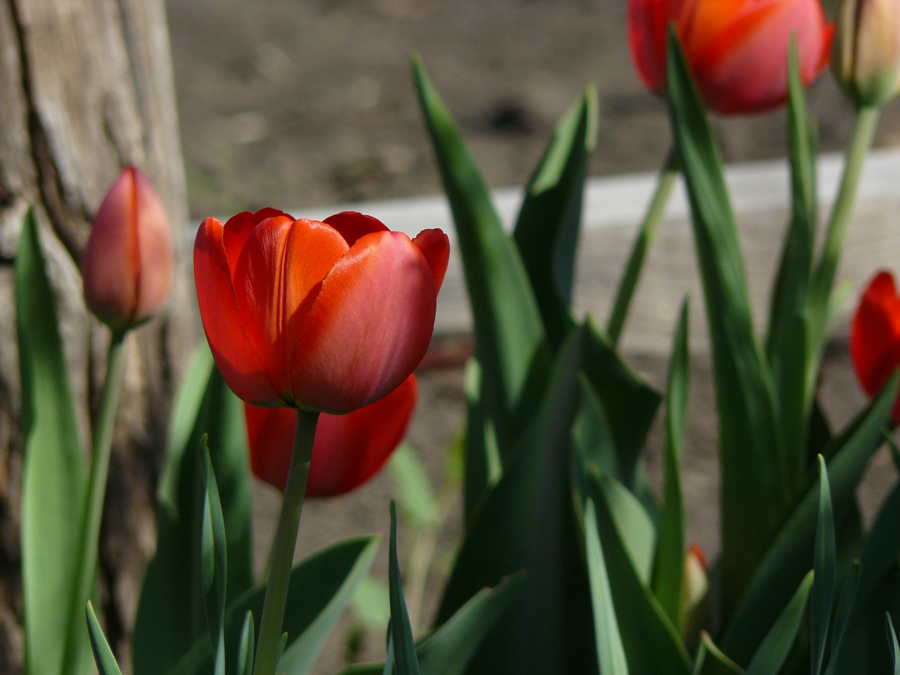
(353, 225)
(258, 288)
(239, 227)
(312, 249)
(154, 248)
(234, 355)
(435, 246)
(368, 328)
(348, 449)
(875, 333)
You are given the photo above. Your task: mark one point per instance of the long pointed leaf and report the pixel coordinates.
(668, 566)
(755, 475)
(790, 347)
(214, 560)
(511, 344)
(892, 642)
(103, 656)
(711, 661)
(793, 547)
(54, 477)
(548, 225)
(172, 610)
(406, 662)
(528, 522)
(610, 652)
(825, 573)
(775, 648)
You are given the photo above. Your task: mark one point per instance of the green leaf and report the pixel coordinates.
(103, 656)
(320, 589)
(668, 565)
(629, 404)
(213, 561)
(405, 659)
(482, 456)
(547, 228)
(509, 334)
(172, 609)
(610, 652)
(774, 649)
(527, 522)
(825, 573)
(892, 641)
(413, 487)
(54, 478)
(245, 651)
(793, 546)
(651, 642)
(792, 349)
(449, 649)
(756, 480)
(711, 661)
(843, 615)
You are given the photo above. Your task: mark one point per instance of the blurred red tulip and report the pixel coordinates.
(737, 49)
(326, 317)
(875, 336)
(348, 449)
(127, 264)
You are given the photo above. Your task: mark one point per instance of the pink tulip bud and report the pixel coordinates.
(866, 58)
(127, 263)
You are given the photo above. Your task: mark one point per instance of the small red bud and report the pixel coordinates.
(127, 263)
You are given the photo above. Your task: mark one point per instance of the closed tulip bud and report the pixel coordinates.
(127, 264)
(866, 58)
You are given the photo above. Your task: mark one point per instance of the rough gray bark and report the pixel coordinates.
(85, 88)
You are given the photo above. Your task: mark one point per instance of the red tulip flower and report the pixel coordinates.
(127, 264)
(326, 317)
(737, 49)
(875, 336)
(348, 449)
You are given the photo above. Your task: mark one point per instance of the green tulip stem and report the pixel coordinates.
(645, 237)
(836, 232)
(283, 546)
(104, 425)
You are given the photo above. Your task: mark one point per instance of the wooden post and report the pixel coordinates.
(87, 88)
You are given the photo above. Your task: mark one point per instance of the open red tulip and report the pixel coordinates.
(348, 450)
(127, 263)
(737, 49)
(325, 317)
(875, 336)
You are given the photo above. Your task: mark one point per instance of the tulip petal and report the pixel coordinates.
(875, 334)
(270, 438)
(648, 21)
(350, 449)
(281, 261)
(435, 246)
(368, 328)
(353, 225)
(234, 355)
(239, 227)
(110, 261)
(154, 248)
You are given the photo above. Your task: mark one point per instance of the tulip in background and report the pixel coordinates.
(737, 49)
(127, 263)
(348, 450)
(875, 336)
(866, 59)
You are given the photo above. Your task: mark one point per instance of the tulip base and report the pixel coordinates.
(284, 544)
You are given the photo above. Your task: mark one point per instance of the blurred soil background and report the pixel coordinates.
(306, 104)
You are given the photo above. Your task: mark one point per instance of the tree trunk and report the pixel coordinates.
(87, 88)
